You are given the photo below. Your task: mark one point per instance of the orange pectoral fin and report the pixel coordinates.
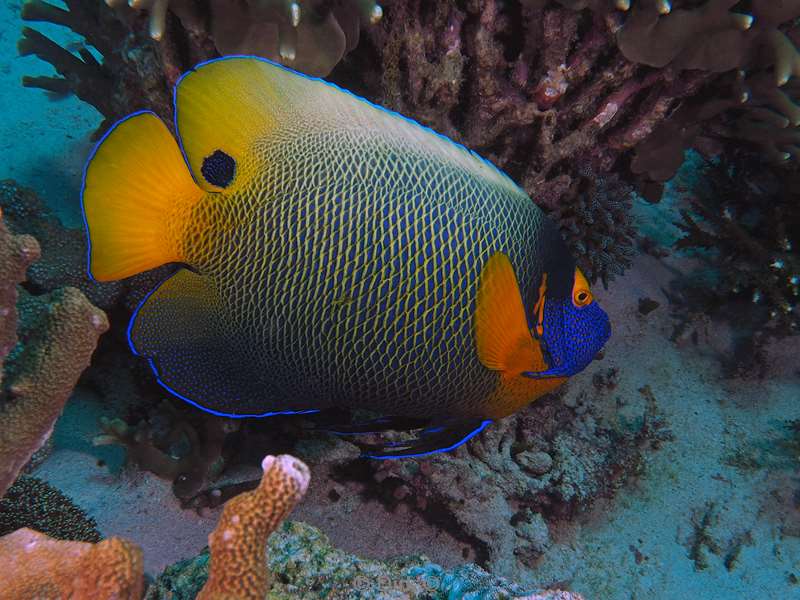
(502, 339)
(514, 393)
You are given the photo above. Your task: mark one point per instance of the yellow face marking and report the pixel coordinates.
(581, 294)
(539, 308)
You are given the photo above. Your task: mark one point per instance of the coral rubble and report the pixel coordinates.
(547, 463)
(60, 334)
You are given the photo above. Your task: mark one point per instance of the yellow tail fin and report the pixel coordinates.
(137, 190)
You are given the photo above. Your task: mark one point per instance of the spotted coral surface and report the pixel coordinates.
(237, 567)
(37, 566)
(31, 502)
(41, 374)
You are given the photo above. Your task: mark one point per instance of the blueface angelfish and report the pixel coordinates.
(335, 254)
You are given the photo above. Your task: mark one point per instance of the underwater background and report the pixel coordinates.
(660, 137)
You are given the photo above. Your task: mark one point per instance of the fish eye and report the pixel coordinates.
(582, 298)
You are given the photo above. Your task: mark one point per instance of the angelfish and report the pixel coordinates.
(332, 254)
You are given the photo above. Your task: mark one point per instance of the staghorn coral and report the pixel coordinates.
(39, 375)
(36, 566)
(237, 568)
(33, 503)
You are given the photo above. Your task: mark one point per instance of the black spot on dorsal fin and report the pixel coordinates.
(218, 168)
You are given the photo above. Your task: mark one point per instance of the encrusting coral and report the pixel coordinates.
(37, 566)
(38, 375)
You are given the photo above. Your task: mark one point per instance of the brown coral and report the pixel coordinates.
(176, 442)
(132, 73)
(238, 544)
(46, 367)
(310, 36)
(36, 566)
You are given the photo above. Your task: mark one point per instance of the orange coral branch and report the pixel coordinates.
(238, 544)
(37, 566)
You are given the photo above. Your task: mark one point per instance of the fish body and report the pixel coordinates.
(337, 255)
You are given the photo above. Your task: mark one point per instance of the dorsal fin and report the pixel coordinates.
(229, 105)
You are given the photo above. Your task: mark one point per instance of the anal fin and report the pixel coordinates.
(431, 440)
(195, 350)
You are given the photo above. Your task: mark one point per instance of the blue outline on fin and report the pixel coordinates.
(177, 394)
(485, 161)
(484, 424)
(83, 184)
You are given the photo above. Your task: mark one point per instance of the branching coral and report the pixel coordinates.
(42, 371)
(238, 544)
(36, 566)
(131, 74)
(745, 218)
